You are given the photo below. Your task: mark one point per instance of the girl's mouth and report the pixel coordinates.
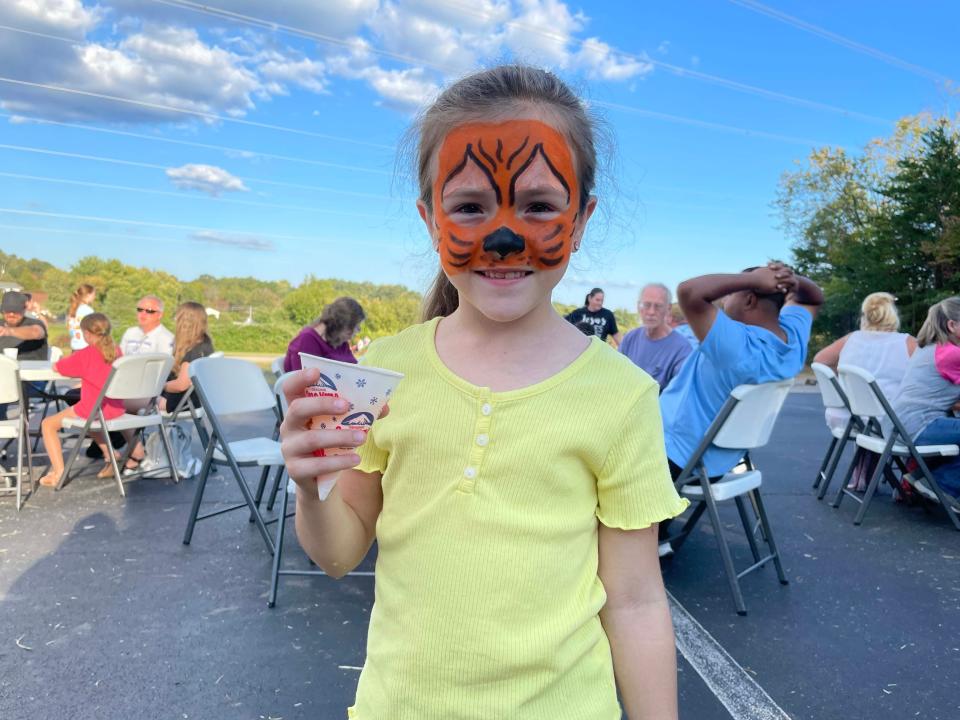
(504, 274)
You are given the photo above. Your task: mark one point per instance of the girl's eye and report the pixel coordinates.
(468, 209)
(540, 207)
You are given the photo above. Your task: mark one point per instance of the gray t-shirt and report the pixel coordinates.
(930, 387)
(661, 359)
(27, 349)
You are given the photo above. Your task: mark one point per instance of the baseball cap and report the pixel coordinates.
(13, 301)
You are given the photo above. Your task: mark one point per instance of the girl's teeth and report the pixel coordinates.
(503, 275)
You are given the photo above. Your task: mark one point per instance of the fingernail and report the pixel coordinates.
(359, 437)
(340, 404)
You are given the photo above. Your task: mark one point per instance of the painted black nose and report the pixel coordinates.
(503, 241)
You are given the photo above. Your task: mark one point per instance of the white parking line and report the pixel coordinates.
(733, 686)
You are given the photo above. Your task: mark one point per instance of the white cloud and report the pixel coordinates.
(406, 90)
(277, 69)
(664, 47)
(601, 61)
(205, 178)
(543, 31)
(235, 240)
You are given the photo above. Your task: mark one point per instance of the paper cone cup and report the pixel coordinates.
(366, 388)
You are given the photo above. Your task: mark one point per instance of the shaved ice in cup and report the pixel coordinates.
(366, 389)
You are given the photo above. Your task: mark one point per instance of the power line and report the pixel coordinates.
(746, 132)
(124, 236)
(207, 146)
(153, 166)
(195, 113)
(144, 223)
(183, 196)
(841, 40)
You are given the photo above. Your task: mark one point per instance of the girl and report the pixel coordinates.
(190, 342)
(515, 487)
(92, 365)
(329, 335)
(930, 388)
(78, 310)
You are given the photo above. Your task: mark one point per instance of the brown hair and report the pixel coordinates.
(499, 91)
(190, 331)
(934, 330)
(339, 319)
(98, 324)
(83, 289)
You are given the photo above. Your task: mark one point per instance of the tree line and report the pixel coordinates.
(884, 219)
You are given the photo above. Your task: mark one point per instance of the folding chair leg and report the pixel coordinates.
(198, 494)
(747, 528)
(168, 449)
(248, 498)
(725, 552)
(20, 443)
(74, 452)
(874, 481)
(847, 476)
(117, 474)
(826, 460)
(261, 486)
(276, 487)
(762, 512)
(278, 549)
(677, 540)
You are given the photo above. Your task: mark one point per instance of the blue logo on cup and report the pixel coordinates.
(326, 383)
(360, 419)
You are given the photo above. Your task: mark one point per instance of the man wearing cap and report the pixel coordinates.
(150, 336)
(27, 335)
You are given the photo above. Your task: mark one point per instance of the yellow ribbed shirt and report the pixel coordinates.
(487, 597)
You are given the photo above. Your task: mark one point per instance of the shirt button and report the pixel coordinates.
(470, 473)
(486, 409)
(482, 440)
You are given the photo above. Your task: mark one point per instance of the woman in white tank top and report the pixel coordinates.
(876, 347)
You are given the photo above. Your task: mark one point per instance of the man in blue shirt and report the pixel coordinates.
(760, 335)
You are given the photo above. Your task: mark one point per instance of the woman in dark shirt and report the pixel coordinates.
(329, 335)
(190, 342)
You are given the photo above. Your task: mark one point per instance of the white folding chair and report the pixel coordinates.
(133, 377)
(228, 386)
(885, 435)
(276, 367)
(834, 397)
(744, 423)
(11, 393)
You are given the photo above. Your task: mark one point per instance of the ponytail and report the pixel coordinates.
(935, 330)
(77, 298)
(99, 325)
(441, 299)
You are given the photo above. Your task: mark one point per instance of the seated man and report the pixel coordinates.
(27, 335)
(655, 348)
(759, 336)
(150, 336)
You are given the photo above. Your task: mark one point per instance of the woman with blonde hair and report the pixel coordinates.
(190, 342)
(79, 308)
(877, 347)
(930, 389)
(92, 365)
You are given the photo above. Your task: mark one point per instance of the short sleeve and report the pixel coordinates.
(724, 344)
(72, 365)
(946, 358)
(634, 488)
(612, 321)
(373, 458)
(83, 310)
(799, 320)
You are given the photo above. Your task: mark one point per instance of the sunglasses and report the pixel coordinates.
(148, 311)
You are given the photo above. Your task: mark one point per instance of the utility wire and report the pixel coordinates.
(207, 146)
(184, 196)
(153, 166)
(195, 113)
(841, 40)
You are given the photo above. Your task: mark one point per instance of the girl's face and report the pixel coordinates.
(90, 297)
(506, 214)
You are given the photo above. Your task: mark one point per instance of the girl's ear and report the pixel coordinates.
(427, 218)
(582, 220)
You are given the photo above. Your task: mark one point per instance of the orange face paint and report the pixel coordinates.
(498, 164)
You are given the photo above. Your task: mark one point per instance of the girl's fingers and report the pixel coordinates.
(303, 443)
(302, 409)
(305, 471)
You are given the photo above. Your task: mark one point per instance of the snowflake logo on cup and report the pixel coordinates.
(374, 401)
(360, 382)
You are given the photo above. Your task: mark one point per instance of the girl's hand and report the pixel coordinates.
(298, 443)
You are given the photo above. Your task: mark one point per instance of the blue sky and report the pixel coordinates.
(262, 141)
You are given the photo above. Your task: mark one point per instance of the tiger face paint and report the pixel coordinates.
(505, 196)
